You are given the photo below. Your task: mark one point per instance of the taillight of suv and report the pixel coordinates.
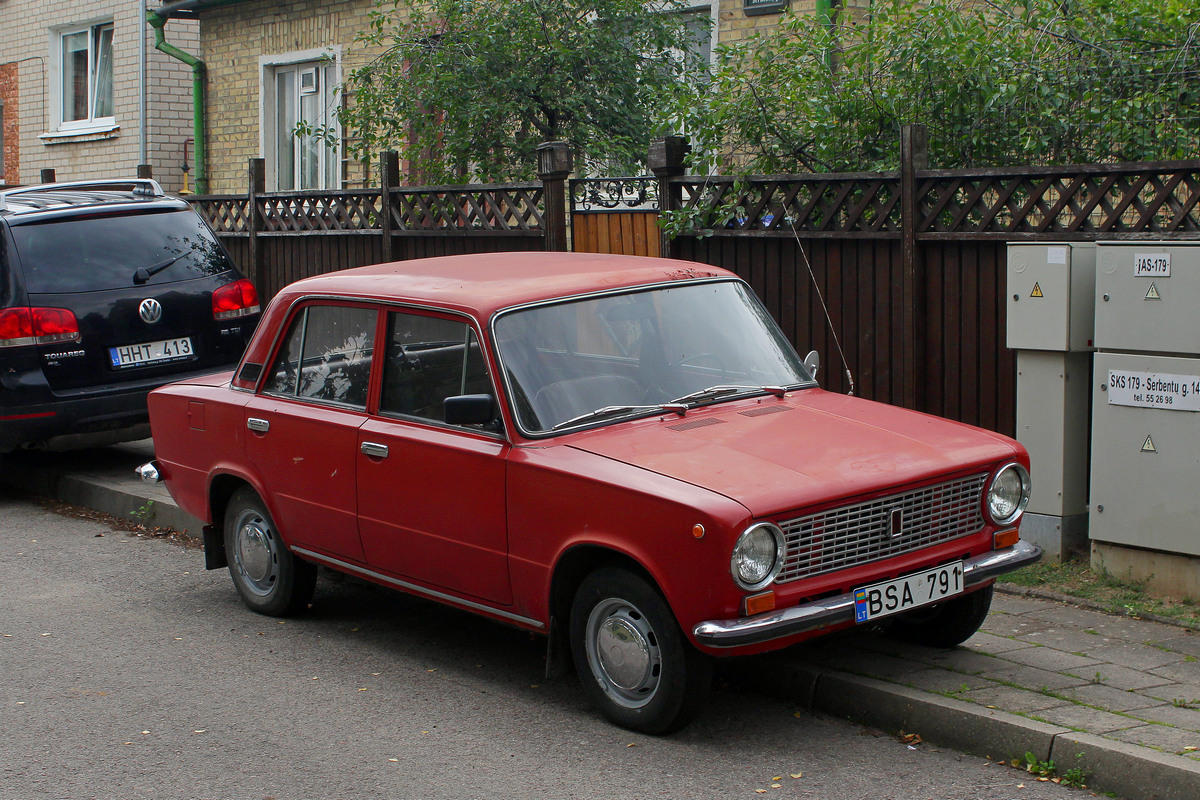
(237, 299)
(25, 326)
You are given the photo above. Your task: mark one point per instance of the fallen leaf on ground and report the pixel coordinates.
(797, 774)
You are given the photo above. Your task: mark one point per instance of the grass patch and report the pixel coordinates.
(1119, 596)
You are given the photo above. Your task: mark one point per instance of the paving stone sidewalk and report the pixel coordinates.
(1113, 698)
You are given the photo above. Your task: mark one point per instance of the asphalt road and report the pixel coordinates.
(127, 671)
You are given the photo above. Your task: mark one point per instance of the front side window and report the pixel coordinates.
(326, 356)
(428, 360)
(87, 75)
(303, 110)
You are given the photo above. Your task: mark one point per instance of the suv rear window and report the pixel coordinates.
(104, 252)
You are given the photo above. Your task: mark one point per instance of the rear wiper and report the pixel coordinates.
(612, 411)
(146, 273)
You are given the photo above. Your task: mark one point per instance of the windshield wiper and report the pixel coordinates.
(146, 273)
(612, 411)
(720, 390)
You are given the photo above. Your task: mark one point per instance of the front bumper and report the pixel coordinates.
(837, 610)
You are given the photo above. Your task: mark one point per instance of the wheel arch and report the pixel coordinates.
(579, 561)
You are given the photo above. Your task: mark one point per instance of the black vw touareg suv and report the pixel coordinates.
(107, 290)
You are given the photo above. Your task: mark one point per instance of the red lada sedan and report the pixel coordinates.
(622, 454)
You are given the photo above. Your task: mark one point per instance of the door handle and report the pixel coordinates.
(258, 425)
(374, 450)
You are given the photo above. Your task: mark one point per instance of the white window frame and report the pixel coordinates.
(268, 67)
(91, 123)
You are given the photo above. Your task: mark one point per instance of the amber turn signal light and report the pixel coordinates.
(1004, 539)
(758, 603)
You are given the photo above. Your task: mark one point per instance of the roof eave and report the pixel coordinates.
(191, 8)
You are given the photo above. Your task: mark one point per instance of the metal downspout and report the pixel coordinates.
(198, 69)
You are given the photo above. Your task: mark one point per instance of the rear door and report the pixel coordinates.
(133, 327)
(302, 435)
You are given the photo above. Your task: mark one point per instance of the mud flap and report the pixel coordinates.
(214, 548)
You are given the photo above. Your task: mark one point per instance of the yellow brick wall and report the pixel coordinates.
(734, 25)
(233, 38)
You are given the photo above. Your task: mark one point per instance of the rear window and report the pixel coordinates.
(105, 252)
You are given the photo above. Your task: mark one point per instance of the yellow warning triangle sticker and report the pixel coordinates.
(1149, 447)
(1037, 290)
(1152, 293)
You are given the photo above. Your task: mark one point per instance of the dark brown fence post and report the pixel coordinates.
(914, 155)
(554, 167)
(256, 267)
(666, 162)
(389, 178)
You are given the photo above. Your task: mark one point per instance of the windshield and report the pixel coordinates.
(106, 252)
(608, 357)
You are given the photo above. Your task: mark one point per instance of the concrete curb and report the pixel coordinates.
(82, 491)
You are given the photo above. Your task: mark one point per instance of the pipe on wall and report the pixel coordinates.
(198, 74)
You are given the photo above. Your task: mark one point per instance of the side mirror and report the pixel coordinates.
(469, 409)
(812, 362)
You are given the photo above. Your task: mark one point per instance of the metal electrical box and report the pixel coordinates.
(1147, 294)
(1146, 452)
(1051, 308)
(1051, 296)
(1144, 507)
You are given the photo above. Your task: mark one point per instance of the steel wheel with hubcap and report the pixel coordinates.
(633, 660)
(269, 578)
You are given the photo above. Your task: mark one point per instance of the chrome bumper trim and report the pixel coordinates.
(840, 609)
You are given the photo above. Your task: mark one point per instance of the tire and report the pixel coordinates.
(945, 624)
(633, 660)
(270, 579)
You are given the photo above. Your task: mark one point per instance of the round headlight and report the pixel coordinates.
(757, 556)
(1008, 494)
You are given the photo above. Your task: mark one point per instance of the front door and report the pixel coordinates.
(431, 503)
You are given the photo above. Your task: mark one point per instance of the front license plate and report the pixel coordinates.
(134, 355)
(908, 592)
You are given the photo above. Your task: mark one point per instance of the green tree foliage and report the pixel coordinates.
(467, 90)
(996, 82)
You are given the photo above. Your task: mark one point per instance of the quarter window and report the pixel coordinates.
(428, 360)
(86, 68)
(326, 356)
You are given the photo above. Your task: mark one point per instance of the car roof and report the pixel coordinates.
(30, 203)
(484, 283)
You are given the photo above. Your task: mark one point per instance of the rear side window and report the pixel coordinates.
(98, 253)
(326, 356)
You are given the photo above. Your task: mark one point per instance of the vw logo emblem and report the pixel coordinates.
(150, 310)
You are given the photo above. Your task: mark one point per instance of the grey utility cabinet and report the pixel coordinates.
(1146, 398)
(1051, 312)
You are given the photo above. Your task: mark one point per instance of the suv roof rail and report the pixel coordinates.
(142, 187)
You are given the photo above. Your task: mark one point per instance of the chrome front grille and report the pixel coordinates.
(888, 526)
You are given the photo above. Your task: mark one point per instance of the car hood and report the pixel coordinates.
(773, 455)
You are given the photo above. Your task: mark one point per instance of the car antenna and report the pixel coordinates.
(817, 288)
